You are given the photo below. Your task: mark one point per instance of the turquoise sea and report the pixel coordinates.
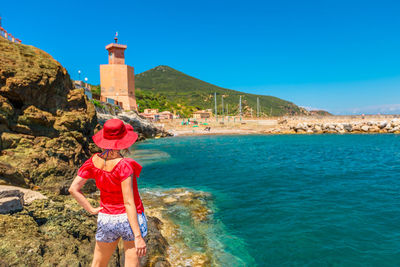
(289, 200)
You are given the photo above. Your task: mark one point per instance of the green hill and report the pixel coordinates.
(166, 88)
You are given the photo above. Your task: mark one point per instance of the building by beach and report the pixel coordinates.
(117, 80)
(154, 115)
(202, 114)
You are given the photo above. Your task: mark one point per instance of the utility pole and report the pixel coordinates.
(222, 99)
(258, 107)
(216, 111)
(240, 107)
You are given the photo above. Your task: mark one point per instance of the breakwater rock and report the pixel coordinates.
(392, 126)
(143, 127)
(383, 126)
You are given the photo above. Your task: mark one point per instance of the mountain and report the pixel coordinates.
(320, 112)
(177, 89)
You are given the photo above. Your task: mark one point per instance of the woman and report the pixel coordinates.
(121, 212)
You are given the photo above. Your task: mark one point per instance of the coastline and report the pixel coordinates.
(377, 124)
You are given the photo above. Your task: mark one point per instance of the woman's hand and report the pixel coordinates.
(140, 245)
(95, 211)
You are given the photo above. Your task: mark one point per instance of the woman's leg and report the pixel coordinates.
(131, 258)
(103, 252)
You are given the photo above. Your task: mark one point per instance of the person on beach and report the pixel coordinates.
(121, 212)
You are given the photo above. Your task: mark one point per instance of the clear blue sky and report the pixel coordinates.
(338, 55)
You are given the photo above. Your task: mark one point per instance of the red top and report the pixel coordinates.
(109, 184)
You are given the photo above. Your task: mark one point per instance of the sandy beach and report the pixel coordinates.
(285, 125)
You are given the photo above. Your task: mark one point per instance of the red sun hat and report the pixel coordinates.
(115, 135)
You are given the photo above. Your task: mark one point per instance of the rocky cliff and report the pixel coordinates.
(45, 134)
(45, 125)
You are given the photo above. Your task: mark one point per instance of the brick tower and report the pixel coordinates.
(117, 80)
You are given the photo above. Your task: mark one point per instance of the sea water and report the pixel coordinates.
(289, 200)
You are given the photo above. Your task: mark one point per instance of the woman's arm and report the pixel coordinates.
(130, 207)
(75, 191)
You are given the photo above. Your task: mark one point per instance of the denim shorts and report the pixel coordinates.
(110, 227)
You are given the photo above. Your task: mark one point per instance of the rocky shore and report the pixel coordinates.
(45, 135)
(56, 231)
(356, 127)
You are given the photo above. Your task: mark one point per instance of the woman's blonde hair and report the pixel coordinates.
(123, 152)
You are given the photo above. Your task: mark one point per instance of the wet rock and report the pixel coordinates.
(169, 200)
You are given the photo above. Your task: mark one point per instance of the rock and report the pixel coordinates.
(310, 131)
(356, 128)
(11, 176)
(382, 124)
(27, 195)
(58, 232)
(365, 128)
(395, 122)
(10, 204)
(374, 129)
(169, 200)
(317, 128)
(157, 245)
(348, 127)
(45, 124)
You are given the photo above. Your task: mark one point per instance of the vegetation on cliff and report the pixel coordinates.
(148, 99)
(184, 90)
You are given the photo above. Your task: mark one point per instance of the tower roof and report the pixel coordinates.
(114, 45)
